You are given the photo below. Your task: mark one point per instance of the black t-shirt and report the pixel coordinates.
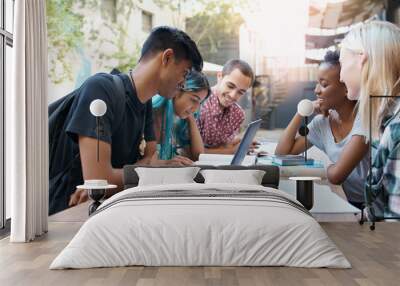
(121, 126)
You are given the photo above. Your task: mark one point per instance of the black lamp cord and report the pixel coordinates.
(305, 152)
(97, 135)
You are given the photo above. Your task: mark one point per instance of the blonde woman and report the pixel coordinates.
(370, 66)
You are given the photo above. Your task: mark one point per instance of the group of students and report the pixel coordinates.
(152, 118)
(184, 131)
(358, 105)
(168, 103)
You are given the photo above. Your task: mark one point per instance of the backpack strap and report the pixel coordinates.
(119, 85)
(58, 112)
(121, 92)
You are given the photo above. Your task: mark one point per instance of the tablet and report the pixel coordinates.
(245, 142)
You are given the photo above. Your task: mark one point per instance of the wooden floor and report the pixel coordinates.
(375, 257)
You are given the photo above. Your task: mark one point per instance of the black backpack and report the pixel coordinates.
(58, 113)
(59, 110)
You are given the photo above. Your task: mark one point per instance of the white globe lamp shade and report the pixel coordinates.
(98, 107)
(305, 107)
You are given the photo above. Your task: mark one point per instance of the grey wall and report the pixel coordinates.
(284, 112)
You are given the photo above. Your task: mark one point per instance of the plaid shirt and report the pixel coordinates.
(385, 175)
(218, 125)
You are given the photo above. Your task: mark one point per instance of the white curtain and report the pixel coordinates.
(26, 124)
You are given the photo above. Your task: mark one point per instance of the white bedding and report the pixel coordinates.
(183, 231)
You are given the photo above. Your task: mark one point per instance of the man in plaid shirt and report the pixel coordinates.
(383, 183)
(220, 116)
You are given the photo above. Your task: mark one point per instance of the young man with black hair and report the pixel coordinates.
(166, 58)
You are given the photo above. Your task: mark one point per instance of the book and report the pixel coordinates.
(222, 159)
(290, 160)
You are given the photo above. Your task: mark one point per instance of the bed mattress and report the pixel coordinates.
(201, 225)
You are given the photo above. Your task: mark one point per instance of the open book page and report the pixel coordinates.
(222, 159)
(265, 148)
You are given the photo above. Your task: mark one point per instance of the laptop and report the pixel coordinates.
(245, 143)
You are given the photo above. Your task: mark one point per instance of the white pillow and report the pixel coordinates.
(166, 176)
(248, 177)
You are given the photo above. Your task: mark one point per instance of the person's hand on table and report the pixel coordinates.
(179, 161)
(232, 146)
(254, 146)
(78, 197)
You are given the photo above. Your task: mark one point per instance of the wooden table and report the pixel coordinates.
(330, 203)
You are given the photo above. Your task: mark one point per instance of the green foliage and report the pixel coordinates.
(124, 59)
(172, 4)
(126, 50)
(64, 35)
(213, 24)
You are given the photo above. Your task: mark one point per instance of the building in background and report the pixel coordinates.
(286, 58)
(219, 48)
(282, 40)
(113, 33)
(329, 22)
(215, 26)
(272, 41)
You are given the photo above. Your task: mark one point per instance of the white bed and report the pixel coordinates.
(225, 225)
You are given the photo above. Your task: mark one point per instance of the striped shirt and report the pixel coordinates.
(384, 180)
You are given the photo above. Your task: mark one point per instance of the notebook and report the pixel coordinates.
(290, 160)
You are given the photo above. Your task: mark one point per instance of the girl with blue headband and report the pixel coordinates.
(174, 122)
